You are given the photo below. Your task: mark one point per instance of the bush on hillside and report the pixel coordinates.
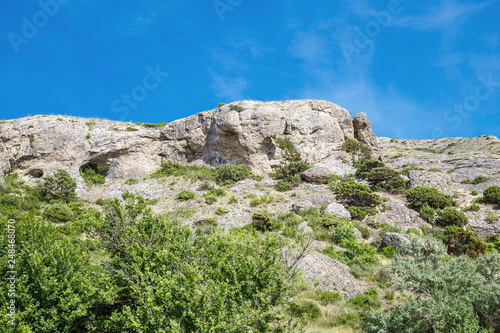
(228, 174)
(460, 241)
(356, 194)
(451, 216)
(418, 196)
(356, 149)
(365, 166)
(59, 213)
(386, 179)
(185, 195)
(291, 167)
(492, 195)
(60, 186)
(427, 213)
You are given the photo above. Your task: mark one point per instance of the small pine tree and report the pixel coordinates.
(356, 149)
(60, 186)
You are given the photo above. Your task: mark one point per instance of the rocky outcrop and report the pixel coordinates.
(398, 215)
(438, 180)
(244, 132)
(237, 133)
(394, 239)
(321, 172)
(328, 274)
(338, 210)
(364, 134)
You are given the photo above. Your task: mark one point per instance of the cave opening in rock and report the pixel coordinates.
(94, 172)
(36, 173)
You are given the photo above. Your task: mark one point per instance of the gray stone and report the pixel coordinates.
(397, 214)
(364, 134)
(394, 239)
(438, 180)
(304, 228)
(321, 172)
(301, 205)
(338, 210)
(328, 274)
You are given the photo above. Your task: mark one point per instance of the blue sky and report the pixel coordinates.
(419, 69)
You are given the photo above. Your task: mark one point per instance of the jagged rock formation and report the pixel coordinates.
(238, 133)
(363, 132)
(242, 133)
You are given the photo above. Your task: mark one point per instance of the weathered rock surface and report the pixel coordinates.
(238, 133)
(321, 172)
(438, 180)
(234, 219)
(397, 214)
(482, 228)
(364, 134)
(328, 274)
(394, 239)
(304, 228)
(338, 210)
(301, 205)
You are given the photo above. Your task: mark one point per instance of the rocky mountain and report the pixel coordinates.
(245, 133)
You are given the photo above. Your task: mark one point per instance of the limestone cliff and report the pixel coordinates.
(237, 133)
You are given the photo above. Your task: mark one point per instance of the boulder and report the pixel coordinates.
(327, 274)
(394, 239)
(364, 134)
(398, 215)
(234, 219)
(304, 228)
(301, 205)
(338, 210)
(438, 180)
(484, 229)
(321, 172)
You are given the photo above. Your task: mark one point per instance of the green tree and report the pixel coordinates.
(291, 167)
(356, 149)
(60, 186)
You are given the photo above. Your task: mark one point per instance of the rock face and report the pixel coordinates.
(321, 172)
(438, 180)
(238, 133)
(363, 132)
(242, 133)
(397, 214)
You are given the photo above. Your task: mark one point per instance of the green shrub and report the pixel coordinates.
(367, 301)
(388, 251)
(472, 208)
(185, 195)
(451, 216)
(283, 186)
(131, 181)
(427, 213)
(460, 241)
(344, 232)
(356, 194)
(227, 173)
(386, 179)
(221, 211)
(210, 199)
(474, 192)
(356, 149)
(60, 186)
(291, 167)
(208, 221)
(304, 309)
(365, 166)
(218, 192)
(419, 196)
(58, 213)
(263, 221)
(477, 180)
(359, 213)
(491, 218)
(191, 172)
(457, 294)
(492, 195)
(232, 200)
(365, 232)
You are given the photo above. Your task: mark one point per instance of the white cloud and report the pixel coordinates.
(448, 15)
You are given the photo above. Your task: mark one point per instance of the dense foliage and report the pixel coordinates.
(455, 294)
(60, 186)
(451, 216)
(386, 179)
(419, 196)
(227, 173)
(356, 194)
(492, 195)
